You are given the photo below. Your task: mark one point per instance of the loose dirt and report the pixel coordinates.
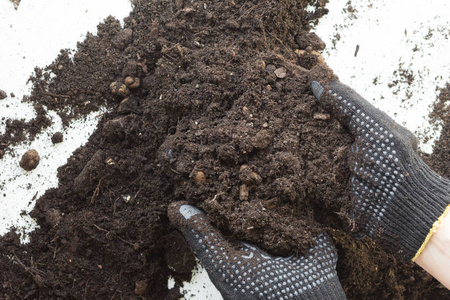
(223, 117)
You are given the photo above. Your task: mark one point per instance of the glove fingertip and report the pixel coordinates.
(180, 212)
(317, 89)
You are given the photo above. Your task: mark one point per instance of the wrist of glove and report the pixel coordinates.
(242, 271)
(395, 197)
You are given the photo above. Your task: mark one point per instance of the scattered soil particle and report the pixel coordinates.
(30, 160)
(57, 137)
(210, 124)
(16, 3)
(3, 94)
(439, 160)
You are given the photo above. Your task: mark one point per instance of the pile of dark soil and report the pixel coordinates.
(223, 118)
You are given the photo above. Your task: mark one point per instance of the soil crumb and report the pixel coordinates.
(208, 102)
(3, 94)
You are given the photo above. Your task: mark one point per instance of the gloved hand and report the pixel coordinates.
(242, 271)
(395, 197)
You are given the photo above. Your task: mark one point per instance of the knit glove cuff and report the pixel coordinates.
(420, 203)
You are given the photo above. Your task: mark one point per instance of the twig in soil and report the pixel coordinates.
(295, 69)
(125, 241)
(201, 31)
(100, 115)
(85, 290)
(175, 171)
(179, 49)
(104, 230)
(99, 228)
(249, 10)
(55, 95)
(38, 275)
(215, 196)
(96, 192)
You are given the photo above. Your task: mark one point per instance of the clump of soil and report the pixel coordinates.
(16, 3)
(30, 160)
(57, 137)
(217, 111)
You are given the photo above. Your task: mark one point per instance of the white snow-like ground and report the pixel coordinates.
(396, 39)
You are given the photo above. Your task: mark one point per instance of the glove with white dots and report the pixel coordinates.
(395, 197)
(242, 271)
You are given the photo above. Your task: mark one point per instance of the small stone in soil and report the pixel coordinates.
(30, 160)
(57, 137)
(280, 72)
(200, 178)
(260, 64)
(270, 68)
(3, 94)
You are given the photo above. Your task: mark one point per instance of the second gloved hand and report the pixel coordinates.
(395, 197)
(242, 271)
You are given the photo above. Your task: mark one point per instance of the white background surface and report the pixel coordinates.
(387, 33)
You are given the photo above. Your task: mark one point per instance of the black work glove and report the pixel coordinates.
(243, 271)
(395, 197)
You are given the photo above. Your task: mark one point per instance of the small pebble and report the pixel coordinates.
(319, 57)
(30, 160)
(57, 137)
(270, 68)
(280, 72)
(200, 178)
(260, 64)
